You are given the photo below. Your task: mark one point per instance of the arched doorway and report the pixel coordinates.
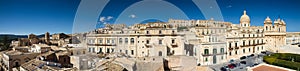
(214, 59)
(159, 53)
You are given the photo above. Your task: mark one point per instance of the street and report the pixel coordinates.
(250, 61)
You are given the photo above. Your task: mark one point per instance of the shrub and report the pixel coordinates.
(287, 64)
(269, 59)
(283, 60)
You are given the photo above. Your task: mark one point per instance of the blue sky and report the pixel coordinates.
(55, 16)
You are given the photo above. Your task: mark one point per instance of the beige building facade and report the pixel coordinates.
(209, 41)
(153, 39)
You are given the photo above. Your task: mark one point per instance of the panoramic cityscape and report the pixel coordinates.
(149, 35)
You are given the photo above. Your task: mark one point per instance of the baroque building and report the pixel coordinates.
(275, 33)
(244, 39)
(209, 41)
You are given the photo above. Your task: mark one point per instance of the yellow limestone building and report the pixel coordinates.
(210, 42)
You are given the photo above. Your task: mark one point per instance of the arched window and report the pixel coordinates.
(206, 51)
(222, 50)
(215, 51)
(159, 53)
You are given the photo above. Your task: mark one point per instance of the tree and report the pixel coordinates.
(6, 42)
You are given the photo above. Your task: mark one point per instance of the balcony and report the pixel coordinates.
(230, 48)
(174, 45)
(148, 45)
(213, 54)
(101, 44)
(245, 45)
(236, 47)
(257, 44)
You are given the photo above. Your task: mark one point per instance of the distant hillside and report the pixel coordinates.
(11, 36)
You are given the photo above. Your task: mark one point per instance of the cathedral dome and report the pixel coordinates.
(245, 17)
(268, 20)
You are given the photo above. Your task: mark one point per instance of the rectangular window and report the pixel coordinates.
(229, 45)
(99, 40)
(91, 41)
(160, 42)
(100, 50)
(120, 40)
(222, 57)
(147, 41)
(126, 40)
(93, 49)
(113, 41)
(173, 41)
(107, 41)
(249, 42)
(236, 44)
(90, 49)
(244, 43)
(132, 41)
(107, 50)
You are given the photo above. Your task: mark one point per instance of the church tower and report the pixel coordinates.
(282, 26)
(245, 20)
(268, 24)
(47, 37)
(276, 25)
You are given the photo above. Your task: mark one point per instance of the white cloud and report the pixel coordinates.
(105, 23)
(229, 6)
(105, 20)
(109, 17)
(132, 16)
(102, 19)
